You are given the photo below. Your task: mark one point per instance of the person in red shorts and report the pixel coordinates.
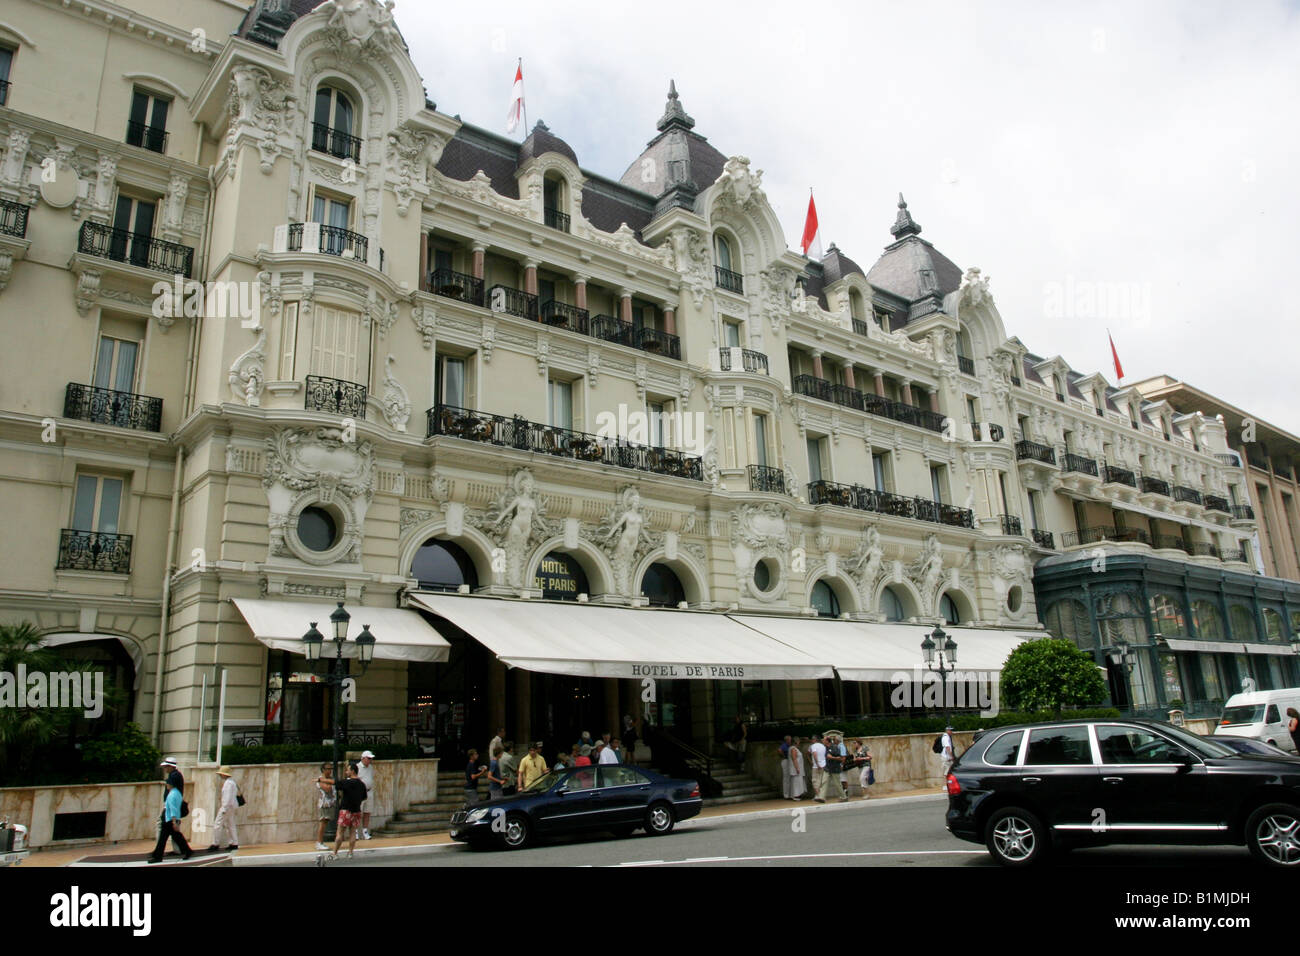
(351, 792)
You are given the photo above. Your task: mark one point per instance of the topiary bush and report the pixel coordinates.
(122, 756)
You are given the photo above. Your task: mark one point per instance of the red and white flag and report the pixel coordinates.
(1119, 369)
(514, 117)
(812, 235)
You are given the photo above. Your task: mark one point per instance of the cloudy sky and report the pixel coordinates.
(1111, 165)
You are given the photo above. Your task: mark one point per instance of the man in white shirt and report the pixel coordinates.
(818, 754)
(366, 774)
(605, 754)
(227, 805)
(948, 757)
(497, 741)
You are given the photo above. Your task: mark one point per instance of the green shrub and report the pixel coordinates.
(308, 753)
(123, 756)
(896, 726)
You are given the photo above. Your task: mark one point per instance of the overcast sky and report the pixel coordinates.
(1119, 165)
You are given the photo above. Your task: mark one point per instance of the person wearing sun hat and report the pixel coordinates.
(227, 806)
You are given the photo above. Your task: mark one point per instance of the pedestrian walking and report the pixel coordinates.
(532, 767)
(946, 757)
(866, 776)
(173, 781)
(169, 828)
(509, 764)
(1293, 726)
(494, 778)
(325, 802)
(817, 757)
(366, 774)
(228, 804)
(629, 739)
(472, 772)
(784, 751)
(352, 794)
(797, 785)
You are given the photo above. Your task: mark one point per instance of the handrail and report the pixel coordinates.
(675, 756)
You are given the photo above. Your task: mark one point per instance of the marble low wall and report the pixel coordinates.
(903, 762)
(281, 802)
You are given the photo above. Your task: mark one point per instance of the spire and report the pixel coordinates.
(904, 225)
(674, 115)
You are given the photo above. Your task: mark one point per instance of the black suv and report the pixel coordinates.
(1025, 790)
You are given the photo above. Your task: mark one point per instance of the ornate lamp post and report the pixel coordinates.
(1120, 654)
(940, 652)
(334, 677)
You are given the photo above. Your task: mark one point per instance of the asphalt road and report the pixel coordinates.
(889, 833)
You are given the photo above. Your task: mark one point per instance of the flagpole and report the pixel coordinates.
(523, 98)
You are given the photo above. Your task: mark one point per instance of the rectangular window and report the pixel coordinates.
(658, 436)
(97, 504)
(133, 221)
(115, 365)
(1033, 510)
(147, 125)
(1080, 516)
(760, 440)
(1024, 428)
(451, 381)
(972, 412)
(335, 344)
(561, 404)
(937, 482)
(731, 332)
(880, 470)
(288, 341)
(1069, 441)
(1002, 487)
(442, 260)
(331, 212)
(814, 459)
(6, 64)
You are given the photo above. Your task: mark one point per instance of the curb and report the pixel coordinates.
(268, 859)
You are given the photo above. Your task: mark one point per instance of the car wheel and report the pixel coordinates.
(1016, 838)
(515, 835)
(1273, 834)
(659, 819)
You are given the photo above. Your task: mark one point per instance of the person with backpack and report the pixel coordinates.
(943, 747)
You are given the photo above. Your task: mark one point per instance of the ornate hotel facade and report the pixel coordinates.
(550, 433)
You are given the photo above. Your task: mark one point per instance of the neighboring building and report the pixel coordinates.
(1271, 457)
(548, 433)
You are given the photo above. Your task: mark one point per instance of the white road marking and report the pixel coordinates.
(800, 856)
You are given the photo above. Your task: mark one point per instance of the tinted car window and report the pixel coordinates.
(1247, 714)
(611, 776)
(1272, 717)
(1054, 746)
(584, 779)
(1005, 751)
(1133, 745)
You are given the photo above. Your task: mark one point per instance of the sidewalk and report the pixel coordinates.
(270, 853)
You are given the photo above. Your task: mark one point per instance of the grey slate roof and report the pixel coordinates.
(678, 154)
(836, 265)
(912, 268)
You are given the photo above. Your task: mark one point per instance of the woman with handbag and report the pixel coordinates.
(230, 802)
(795, 764)
(325, 802)
(867, 777)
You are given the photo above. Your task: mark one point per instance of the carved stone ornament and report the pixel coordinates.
(623, 536)
(87, 290)
(516, 520)
(410, 153)
(425, 317)
(927, 572)
(360, 28)
(262, 109)
(410, 517)
(777, 283)
(865, 564)
(760, 531)
(974, 289)
(740, 185)
(692, 260)
(13, 171)
(395, 401)
(248, 374)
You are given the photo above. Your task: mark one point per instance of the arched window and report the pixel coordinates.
(891, 605)
(722, 251)
(1243, 623)
(824, 600)
(555, 202)
(1168, 614)
(856, 311)
(1068, 619)
(1209, 622)
(1273, 630)
(662, 586)
(334, 128)
(948, 608)
(560, 577)
(443, 566)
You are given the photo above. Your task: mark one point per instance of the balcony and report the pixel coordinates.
(861, 328)
(519, 433)
(967, 365)
(335, 395)
(885, 503)
(1232, 460)
(1235, 554)
(556, 219)
(658, 342)
(1189, 495)
(1170, 542)
(729, 281)
(1015, 380)
(335, 142)
(1011, 525)
(456, 285)
(558, 315)
(995, 432)
(1080, 464)
(137, 249)
(145, 136)
(1118, 476)
(94, 551)
(766, 478)
(814, 387)
(333, 241)
(103, 406)
(1215, 503)
(1155, 486)
(1243, 513)
(1043, 539)
(13, 219)
(868, 402)
(512, 302)
(1103, 533)
(1035, 452)
(609, 329)
(1204, 549)
(750, 360)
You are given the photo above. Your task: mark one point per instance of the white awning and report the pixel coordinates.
(886, 652)
(1227, 647)
(586, 640)
(400, 634)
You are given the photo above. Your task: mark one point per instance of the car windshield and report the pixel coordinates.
(1201, 746)
(1248, 714)
(544, 782)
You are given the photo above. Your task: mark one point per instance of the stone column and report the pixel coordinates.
(880, 382)
(934, 400)
(530, 276)
(479, 253)
(848, 375)
(423, 277)
(670, 319)
(580, 291)
(817, 364)
(907, 392)
(625, 305)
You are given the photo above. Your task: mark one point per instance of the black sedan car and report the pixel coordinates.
(1024, 791)
(611, 797)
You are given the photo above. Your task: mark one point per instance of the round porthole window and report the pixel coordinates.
(317, 529)
(766, 574)
(1014, 599)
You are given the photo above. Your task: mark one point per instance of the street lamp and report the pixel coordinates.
(313, 645)
(940, 653)
(1120, 654)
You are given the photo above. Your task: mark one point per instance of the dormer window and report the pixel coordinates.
(1133, 416)
(726, 278)
(855, 305)
(554, 203)
(1098, 404)
(1164, 426)
(333, 125)
(1060, 387)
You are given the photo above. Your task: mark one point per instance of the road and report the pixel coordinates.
(878, 833)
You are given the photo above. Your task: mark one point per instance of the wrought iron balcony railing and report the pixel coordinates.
(456, 285)
(1084, 466)
(1103, 533)
(1232, 459)
(1216, 503)
(995, 432)
(658, 342)
(1189, 495)
(1015, 380)
(814, 387)
(967, 365)
(1011, 525)
(1243, 513)
(335, 142)
(1235, 554)
(1114, 475)
(1043, 539)
(860, 327)
(94, 551)
(556, 219)
(1204, 549)
(146, 252)
(1169, 541)
(335, 395)
(728, 280)
(750, 360)
(885, 503)
(560, 315)
(524, 435)
(1035, 452)
(103, 406)
(1155, 486)
(607, 328)
(766, 478)
(869, 402)
(334, 241)
(145, 136)
(512, 302)
(13, 218)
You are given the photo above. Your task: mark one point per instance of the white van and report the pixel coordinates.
(1260, 715)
